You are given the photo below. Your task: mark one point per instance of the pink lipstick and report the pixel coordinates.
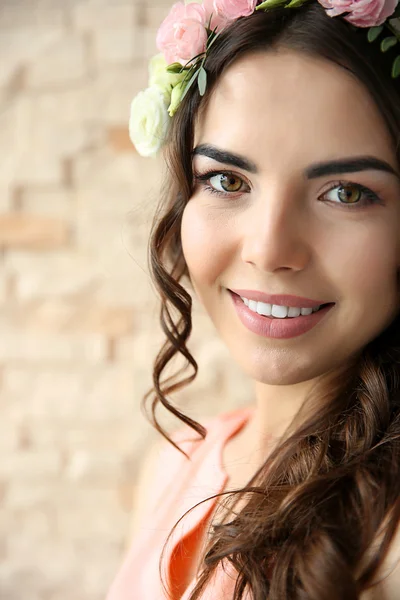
(272, 327)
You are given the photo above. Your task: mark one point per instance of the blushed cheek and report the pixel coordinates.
(203, 246)
(371, 272)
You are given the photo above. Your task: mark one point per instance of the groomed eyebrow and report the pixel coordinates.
(331, 167)
(225, 157)
(349, 165)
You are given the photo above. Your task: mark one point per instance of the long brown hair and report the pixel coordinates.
(317, 504)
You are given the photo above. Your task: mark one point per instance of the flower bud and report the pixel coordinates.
(176, 97)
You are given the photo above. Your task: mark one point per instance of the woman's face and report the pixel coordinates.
(268, 220)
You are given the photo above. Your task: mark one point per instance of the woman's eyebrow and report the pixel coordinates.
(331, 167)
(349, 165)
(223, 156)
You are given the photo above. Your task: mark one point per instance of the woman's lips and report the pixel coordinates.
(279, 299)
(272, 327)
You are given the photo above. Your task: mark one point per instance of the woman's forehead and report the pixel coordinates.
(288, 103)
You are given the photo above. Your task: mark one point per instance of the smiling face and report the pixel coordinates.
(276, 221)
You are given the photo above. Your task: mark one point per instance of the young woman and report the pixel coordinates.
(282, 215)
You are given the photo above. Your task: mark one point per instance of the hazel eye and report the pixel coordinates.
(346, 194)
(349, 194)
(227, 182)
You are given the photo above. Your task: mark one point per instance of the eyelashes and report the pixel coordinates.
(359, 196)
(203, 180)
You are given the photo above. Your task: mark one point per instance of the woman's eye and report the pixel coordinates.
(221, 183)
(226, 182)
(343, 193)
(351, 194)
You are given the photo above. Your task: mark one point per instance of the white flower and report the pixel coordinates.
(149, 121)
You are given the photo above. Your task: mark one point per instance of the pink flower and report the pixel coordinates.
(217, 20)
(229, 10)
(363, 13)
(182, 34)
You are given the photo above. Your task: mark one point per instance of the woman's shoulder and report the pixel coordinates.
(167, 459)
(221, 424)
(163, 463)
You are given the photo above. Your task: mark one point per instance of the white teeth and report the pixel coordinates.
(280, 312)
(264, 309)
(274, 310)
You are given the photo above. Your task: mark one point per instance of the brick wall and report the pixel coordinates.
(78, 318)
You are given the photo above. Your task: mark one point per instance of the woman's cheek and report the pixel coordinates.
(194, 243)
(201, 243)
(368, 266)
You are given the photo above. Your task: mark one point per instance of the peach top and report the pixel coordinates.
(177, 486)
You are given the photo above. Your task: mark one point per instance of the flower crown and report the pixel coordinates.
(189, 31)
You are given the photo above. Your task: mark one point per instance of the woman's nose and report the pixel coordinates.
(276, 233)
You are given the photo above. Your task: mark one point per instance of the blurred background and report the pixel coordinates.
(78, 320)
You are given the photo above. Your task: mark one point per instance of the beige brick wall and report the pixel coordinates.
(78, 319)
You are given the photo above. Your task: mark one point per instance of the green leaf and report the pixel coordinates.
(388, 43)
(374, 32)
(211, 41)
(270, 4)
(175, 68)
(295, 3)
(396, 68)
(189, 75)
(193, 61)
(202, 81)
(190, 83)
(212, 32)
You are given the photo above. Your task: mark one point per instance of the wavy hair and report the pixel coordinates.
(311, 516)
